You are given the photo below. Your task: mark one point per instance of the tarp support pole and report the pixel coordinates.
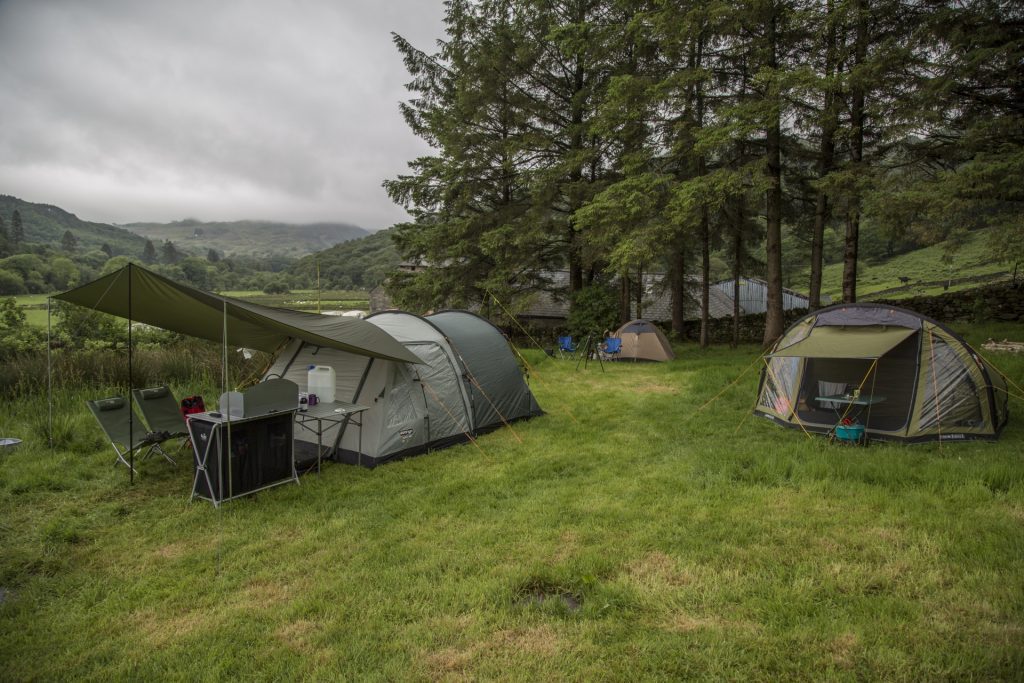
(131, 385)
(49, 379)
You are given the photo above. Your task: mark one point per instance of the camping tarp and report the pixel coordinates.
(143, 296)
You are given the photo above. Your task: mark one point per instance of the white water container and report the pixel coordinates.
(320, 381)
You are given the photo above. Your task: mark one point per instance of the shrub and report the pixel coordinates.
(276, 287)
(594, 308)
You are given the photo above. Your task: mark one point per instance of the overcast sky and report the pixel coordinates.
(157, 110)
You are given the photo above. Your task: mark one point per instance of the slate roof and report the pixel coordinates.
(657, 301)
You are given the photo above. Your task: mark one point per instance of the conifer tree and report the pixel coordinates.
(149, 253)
(69, 242)
(169, 253)
(17, 234)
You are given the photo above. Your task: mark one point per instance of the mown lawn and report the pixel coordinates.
(626, 535)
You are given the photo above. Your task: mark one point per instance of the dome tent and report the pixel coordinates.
(903, 376)
(415, 408)
(643, 340)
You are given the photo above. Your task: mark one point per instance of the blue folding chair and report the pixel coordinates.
(611, 348)
(566, 349)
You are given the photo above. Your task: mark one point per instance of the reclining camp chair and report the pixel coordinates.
(611, 347)
(161, 410)
(565, 347)
(113, 415)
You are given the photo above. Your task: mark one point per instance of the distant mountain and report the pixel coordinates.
(249, 238)
(47, 224)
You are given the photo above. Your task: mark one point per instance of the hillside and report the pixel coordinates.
(923, 271)
(360, 263)
(249, 238)
(46, 224)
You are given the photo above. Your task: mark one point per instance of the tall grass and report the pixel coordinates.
(186, 364)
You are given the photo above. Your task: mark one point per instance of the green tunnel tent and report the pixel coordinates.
(903, 376)
(467, 381)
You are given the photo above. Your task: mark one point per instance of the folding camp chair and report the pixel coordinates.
(113, 415)
(611, 348)
(566, 349)
(161, 410)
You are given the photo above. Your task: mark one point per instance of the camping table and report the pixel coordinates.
(851, 402)
(336, 413)
(222, 471)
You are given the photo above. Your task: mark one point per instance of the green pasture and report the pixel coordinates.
(637, 531)
(34, 305)
(927, 265)
(306, 299)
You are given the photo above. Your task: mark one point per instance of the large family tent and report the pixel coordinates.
(903, 376)
(493, 378)
(140, 295)
(643, 340)
(467, 381)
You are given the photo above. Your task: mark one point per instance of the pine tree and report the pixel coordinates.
(107, 249)
(149, 253)
(69, 242)
(169, 253)
(212, 256)
(17, 234)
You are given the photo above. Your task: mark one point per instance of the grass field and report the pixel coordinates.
(628, 534)
(306, 299)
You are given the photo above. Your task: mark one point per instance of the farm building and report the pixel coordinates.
(754, 296)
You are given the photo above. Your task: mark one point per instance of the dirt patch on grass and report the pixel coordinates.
(657, 568)
(688, 623)
(1016, 512)
(843, 650)
(568, 544)
(654, 388)
(160, 629)
(455, 662)
(539, 640)
(263, 594)
(171, 551)
(299, 636)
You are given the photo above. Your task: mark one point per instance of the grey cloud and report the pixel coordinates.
(124, 110)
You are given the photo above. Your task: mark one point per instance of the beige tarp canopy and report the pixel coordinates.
(143, 296)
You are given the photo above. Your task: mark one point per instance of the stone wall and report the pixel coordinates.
(999, 302)
(1003, 301)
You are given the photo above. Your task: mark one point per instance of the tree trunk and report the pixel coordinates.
(826, 157)
(624, 299)
(850, 256)
(857, 97)
(705, 276)
(773, 323)
(575, 263)
(677, 283)
(737, 268)
(640, 292)
(817, 250)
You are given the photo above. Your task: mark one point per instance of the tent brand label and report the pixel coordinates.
(406, 434)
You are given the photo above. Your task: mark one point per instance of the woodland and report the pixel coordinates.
(610, 138)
